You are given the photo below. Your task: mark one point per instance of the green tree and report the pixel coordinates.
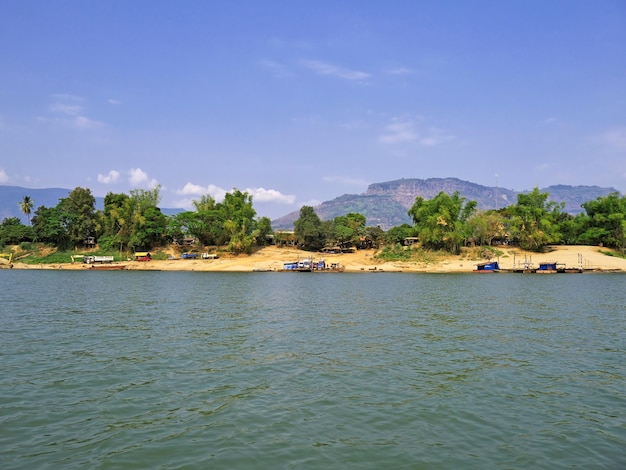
(205, 204)
(208, 223)
(49, 226)
(440, 221)
(308, 229)
(26, 206)
(484, 227)
(374, 237)
(186, 224)
(349, 228)
(534, 221)
(239, 220)
(13, 232)
(146, 222)
(396, 235)
(263, 231)
(605, 222)
(134, 221)
(115, 230)
(78, 212)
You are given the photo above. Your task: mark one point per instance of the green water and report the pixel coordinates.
(107, 370)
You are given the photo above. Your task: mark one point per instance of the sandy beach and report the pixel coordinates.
(273, 258)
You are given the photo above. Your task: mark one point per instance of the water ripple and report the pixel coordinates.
(233, 370)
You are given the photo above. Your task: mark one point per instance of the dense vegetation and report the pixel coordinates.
(134, 222)
(447, 222)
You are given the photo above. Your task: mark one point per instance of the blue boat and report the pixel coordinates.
(487, 267)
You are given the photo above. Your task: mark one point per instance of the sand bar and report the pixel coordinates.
(272, 259)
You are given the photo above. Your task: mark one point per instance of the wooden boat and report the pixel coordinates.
(108, 267)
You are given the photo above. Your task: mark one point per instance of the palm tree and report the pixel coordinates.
(26, 205)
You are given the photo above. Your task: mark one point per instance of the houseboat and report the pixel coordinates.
(551, 267)
(488, 267)
(310, 266)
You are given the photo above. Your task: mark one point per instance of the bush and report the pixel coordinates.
(107, 243)
(395, 252)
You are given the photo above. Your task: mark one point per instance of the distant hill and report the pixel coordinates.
(11, 196)
(386, 204)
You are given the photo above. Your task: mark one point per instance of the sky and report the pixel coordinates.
(299, 102)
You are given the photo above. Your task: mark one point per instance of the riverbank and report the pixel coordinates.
(590, 258)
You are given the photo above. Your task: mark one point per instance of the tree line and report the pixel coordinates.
(134, 222)
(448, 222)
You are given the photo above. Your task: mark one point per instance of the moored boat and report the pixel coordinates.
(488, 267)
(108, 267)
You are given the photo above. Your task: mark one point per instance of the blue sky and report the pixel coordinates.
(300, 102)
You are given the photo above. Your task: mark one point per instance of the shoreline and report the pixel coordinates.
(271, 259)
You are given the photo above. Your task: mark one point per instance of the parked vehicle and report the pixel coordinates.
(97, 259)
(143, 256)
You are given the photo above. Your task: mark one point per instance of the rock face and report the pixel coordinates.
(386, 204)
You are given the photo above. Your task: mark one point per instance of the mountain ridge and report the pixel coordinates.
(386, 204)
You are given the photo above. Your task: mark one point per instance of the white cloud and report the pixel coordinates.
(435, 137)
(323, 68)
(191, 189)
(399, 131)
(258, 194)
(270, 195)
(138, 177)
(185, 203)
(114, 102)
(68, 110)
(4, 178)
(404, 130)
(65, 108)
(111, 177)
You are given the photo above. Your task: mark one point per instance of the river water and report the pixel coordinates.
(128, 369)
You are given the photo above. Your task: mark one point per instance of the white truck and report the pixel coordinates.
(97, 259)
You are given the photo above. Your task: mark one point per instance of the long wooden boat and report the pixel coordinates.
(108, 267)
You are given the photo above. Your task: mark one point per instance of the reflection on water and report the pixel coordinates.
(267, 370)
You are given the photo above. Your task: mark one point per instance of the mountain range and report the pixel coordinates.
(384, 204)
(11, 196)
